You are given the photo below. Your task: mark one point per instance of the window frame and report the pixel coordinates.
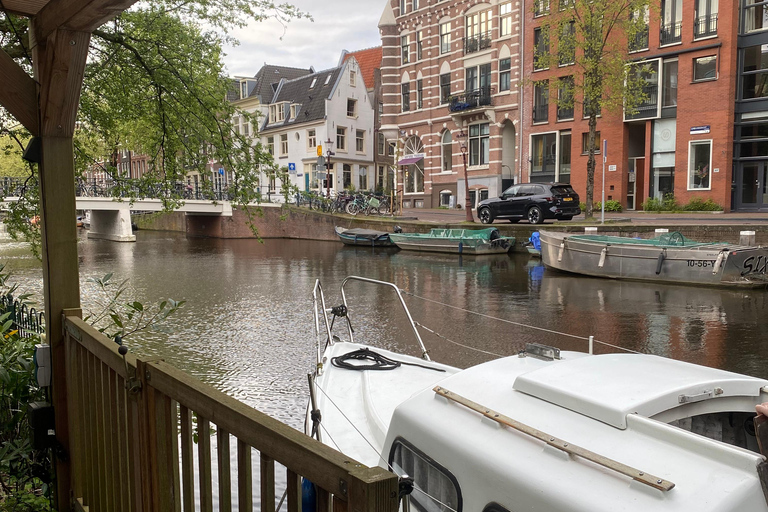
(283, 144)
(475, 147)
(540, 39)
(692, 173)
(271, 145)
(381, 144)
(563, 91)
(693, 69)
(405, 97)
(311, 138)
(341, 139)
(405, 50)
(505, 74)
(445, 98)
(585, 142)
(360, 141)
(445, 37)
(419, 45)
(744, 8)
(505, 19)
(419, 94)
(446, 160)
(543, 87)
(353, 103)
(352, 78)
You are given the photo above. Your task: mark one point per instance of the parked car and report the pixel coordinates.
(532, 201)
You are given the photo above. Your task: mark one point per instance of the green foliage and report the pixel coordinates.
(670, 204)
(699, 205)
(610, 206)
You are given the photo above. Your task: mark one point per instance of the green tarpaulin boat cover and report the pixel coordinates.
(483, 234)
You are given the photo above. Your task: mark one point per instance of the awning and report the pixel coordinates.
(410, 160)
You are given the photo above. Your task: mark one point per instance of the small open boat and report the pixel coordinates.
(457, 241)
(366, 237)
(534, 245)
(544, 430)
(670, 258)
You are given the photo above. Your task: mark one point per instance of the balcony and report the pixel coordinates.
(471, 99)
(541, 113)
(640, 42)
(477, 42)
(705, 26)
(649, 108)
(671, 33)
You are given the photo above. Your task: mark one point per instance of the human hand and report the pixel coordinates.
(762, 409)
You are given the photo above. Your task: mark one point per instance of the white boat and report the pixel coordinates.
(542, 431)
(670, 258)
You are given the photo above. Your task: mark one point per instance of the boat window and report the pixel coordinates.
(734, 428)
(495, 507)
(435, 488)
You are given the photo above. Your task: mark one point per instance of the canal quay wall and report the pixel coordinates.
(277, 221)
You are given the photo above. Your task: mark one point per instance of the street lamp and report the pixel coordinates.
(329, 154)
(467, 202)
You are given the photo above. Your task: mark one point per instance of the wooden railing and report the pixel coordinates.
(131, 442)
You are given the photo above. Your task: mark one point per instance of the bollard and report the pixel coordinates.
(590, 230)
(747, 238)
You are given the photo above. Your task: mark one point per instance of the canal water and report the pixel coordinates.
(246, 326)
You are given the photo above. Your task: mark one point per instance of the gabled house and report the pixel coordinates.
(306, 112)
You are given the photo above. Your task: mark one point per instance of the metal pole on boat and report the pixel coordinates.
(602, 202)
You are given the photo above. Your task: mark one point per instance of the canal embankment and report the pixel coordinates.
(290, 222)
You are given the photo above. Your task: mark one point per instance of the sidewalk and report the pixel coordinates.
(629, 217)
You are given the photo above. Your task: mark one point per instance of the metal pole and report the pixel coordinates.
(602, 202)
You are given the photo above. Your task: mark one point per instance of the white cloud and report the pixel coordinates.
(339, 25)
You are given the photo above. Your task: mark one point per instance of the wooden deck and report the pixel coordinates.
(131, 430)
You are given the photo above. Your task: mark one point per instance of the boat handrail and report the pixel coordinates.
(424, 354)
(319, 289)
(571, 449)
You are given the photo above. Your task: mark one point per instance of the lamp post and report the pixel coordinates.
(329, 154)
(467, 201)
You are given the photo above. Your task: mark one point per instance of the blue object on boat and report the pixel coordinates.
(535, 240)
(308, 496)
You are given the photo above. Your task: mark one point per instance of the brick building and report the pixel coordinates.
(450, 75)
(679, 141)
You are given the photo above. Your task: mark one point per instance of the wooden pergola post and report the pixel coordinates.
(47, 107)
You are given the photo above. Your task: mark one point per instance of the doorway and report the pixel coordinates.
(754, 185)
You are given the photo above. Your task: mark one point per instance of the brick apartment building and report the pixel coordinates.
(680, 140)
(450, 75)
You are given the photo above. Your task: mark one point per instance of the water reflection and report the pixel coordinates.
(246, 326)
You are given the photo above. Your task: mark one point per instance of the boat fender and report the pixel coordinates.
(660, 261)
(603, 253)
(718, 262)
(308, 496)
(404, 486)
(560, 253)
(461, 247)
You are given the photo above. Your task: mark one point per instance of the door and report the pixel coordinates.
(632, 184)
(306, 182)
(754, 185)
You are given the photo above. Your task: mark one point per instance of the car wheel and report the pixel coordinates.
(485, 215)
(535, 215)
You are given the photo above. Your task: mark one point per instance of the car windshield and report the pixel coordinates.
(563, 190)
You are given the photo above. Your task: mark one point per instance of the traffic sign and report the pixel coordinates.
(221, 171)
(321, 161)
(319, 150)
(291, 166)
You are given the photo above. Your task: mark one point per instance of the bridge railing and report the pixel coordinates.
(132, 425)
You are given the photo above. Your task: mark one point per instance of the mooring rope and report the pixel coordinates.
(518, 324)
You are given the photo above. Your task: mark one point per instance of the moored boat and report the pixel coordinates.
(534, 245)
(457, 241)
(670, 258)
(543, 430)
(366, 237)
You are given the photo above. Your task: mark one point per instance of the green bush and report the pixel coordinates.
(670, 204)
(698, 205)
(610, 206)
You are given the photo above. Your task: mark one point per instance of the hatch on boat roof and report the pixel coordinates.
(609, 387)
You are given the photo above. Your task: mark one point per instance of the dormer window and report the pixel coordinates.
(243, 90)
(295, 110)
(327, 79)
(314, 81)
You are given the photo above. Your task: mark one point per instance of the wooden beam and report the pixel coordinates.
(59, 68)
(19, 94)
(77, 16)
(24, 7)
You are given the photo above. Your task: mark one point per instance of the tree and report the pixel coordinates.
(596, 37)
(155, 83)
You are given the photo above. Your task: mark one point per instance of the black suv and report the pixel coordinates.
(532, 201)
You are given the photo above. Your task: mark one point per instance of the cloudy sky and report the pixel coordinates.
(338, 25)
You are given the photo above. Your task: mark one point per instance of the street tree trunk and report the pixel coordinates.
(590, 201)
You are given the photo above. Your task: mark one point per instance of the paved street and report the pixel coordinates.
(634, 217)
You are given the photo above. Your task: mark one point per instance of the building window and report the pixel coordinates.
(351, 107)
(646, 76)
(391, 149)
(541, 101)
(755, 15)
(405, 92)
(311, 139)
(404, 49)
(478, 79)
(585, 142)
(639, 25)
(504, 74)
(478, 31)
(341, 139)
(352, 78)
(671, 22)
(381, 108)
(415, 5)
(445, 88)
(669, 84)
(346, 176)
(402, 7)
(380, 143)
(445, 38)
(540, 48)
(446, 152)
(419, 45)
(540, 7)
(243, 90)
(705, 68)
(543, 153)
(505, 19)
(706, 18)
(295, 110)
(419, 94)
(479, 140)
(754, 80)
(360, 141)
(271, 145)
(380, 178)
(283, 144)
(566, 45)
(564, 174)
(699, 164)
(565, 98)
(363, 177)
